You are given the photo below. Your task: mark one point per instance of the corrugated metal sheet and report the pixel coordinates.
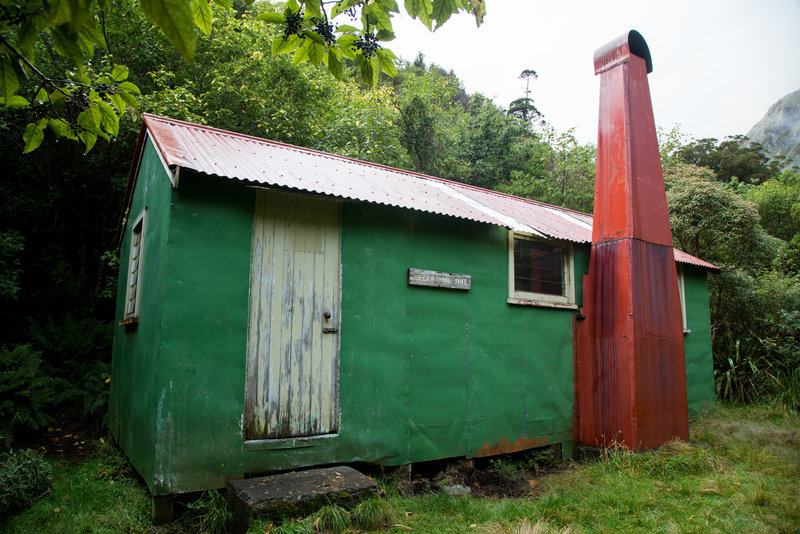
(252, 159)
(682, 257)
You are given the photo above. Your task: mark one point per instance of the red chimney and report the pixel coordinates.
(630, 372)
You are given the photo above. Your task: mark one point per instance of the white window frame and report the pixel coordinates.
(139, 226)
(527, 298)
(682, 294)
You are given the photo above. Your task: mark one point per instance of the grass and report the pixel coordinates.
(100, 495)
(740, 472)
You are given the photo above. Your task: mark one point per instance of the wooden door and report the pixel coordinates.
(291, 388)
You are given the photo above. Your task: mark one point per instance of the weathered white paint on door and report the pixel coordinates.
(292, 380)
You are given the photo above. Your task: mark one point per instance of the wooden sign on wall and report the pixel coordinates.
(422, 277)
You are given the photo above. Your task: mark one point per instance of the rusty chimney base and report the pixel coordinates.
(630, 372)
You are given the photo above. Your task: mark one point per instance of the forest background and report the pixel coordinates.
(61, 204)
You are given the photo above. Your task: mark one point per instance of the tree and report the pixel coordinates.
(778, 203)
(775, 200)
(88, 100)
(489, 143)
(432, 104)
(524, 107)
(418, 133)
(711, 221)
(557, 171)
(735, 157)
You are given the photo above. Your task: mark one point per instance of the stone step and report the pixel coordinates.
(297, 493)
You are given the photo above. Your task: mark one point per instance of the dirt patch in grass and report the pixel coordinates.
(68, 441)
(486, 482)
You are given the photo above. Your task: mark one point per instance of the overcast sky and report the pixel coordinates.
(717, 65)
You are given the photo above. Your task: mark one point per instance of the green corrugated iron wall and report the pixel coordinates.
(202, 369)
(133, 401)
(425, 373)
(697, 343)
(450, 372)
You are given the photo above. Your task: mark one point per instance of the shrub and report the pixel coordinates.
(12, 243)
(24, 476)
(739, 369)
(77, 354)
(25, 392)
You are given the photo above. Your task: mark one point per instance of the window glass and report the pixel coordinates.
(682, 294)
(538, 267)
(133, 288)
(540, 272)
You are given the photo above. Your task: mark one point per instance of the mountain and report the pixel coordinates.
(779, 130)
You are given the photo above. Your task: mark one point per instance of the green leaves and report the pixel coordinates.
(61, 128)
(363, 46)
(14, 101)
(89, 103)
(334, 63)
(313, 8)
(34, 135)
(479, 10)
(443, 9)
(421, 9)
(108, 97)
(285, 46)
(176, 20)
(440, 11)
(272, 18)
(119, 73)
(203, 16)
(386, 60)
(9, 83)
(342, 6)
(377, 15)
(316, 52)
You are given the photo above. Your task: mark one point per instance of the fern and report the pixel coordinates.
(25, 391)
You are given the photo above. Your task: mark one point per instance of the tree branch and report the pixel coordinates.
(30, 65)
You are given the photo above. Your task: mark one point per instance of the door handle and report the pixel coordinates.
(330, 329)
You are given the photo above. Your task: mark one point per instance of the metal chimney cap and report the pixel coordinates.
(620, 50)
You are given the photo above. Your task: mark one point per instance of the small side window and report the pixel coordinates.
(540, 272)
(134, 285)
(682, 293)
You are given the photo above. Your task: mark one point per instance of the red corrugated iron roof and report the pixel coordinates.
(252, 159)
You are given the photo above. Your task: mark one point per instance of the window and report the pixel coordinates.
(682, 293)
(540, 272)
(133, 288)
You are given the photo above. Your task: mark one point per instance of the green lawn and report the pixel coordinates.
(739, 473)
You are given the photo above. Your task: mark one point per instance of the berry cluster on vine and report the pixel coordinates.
(294, 25)
(368, 44)
(103, 90)
(324, 29)
(79, 99)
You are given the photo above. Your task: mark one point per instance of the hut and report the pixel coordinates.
(281, 308)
